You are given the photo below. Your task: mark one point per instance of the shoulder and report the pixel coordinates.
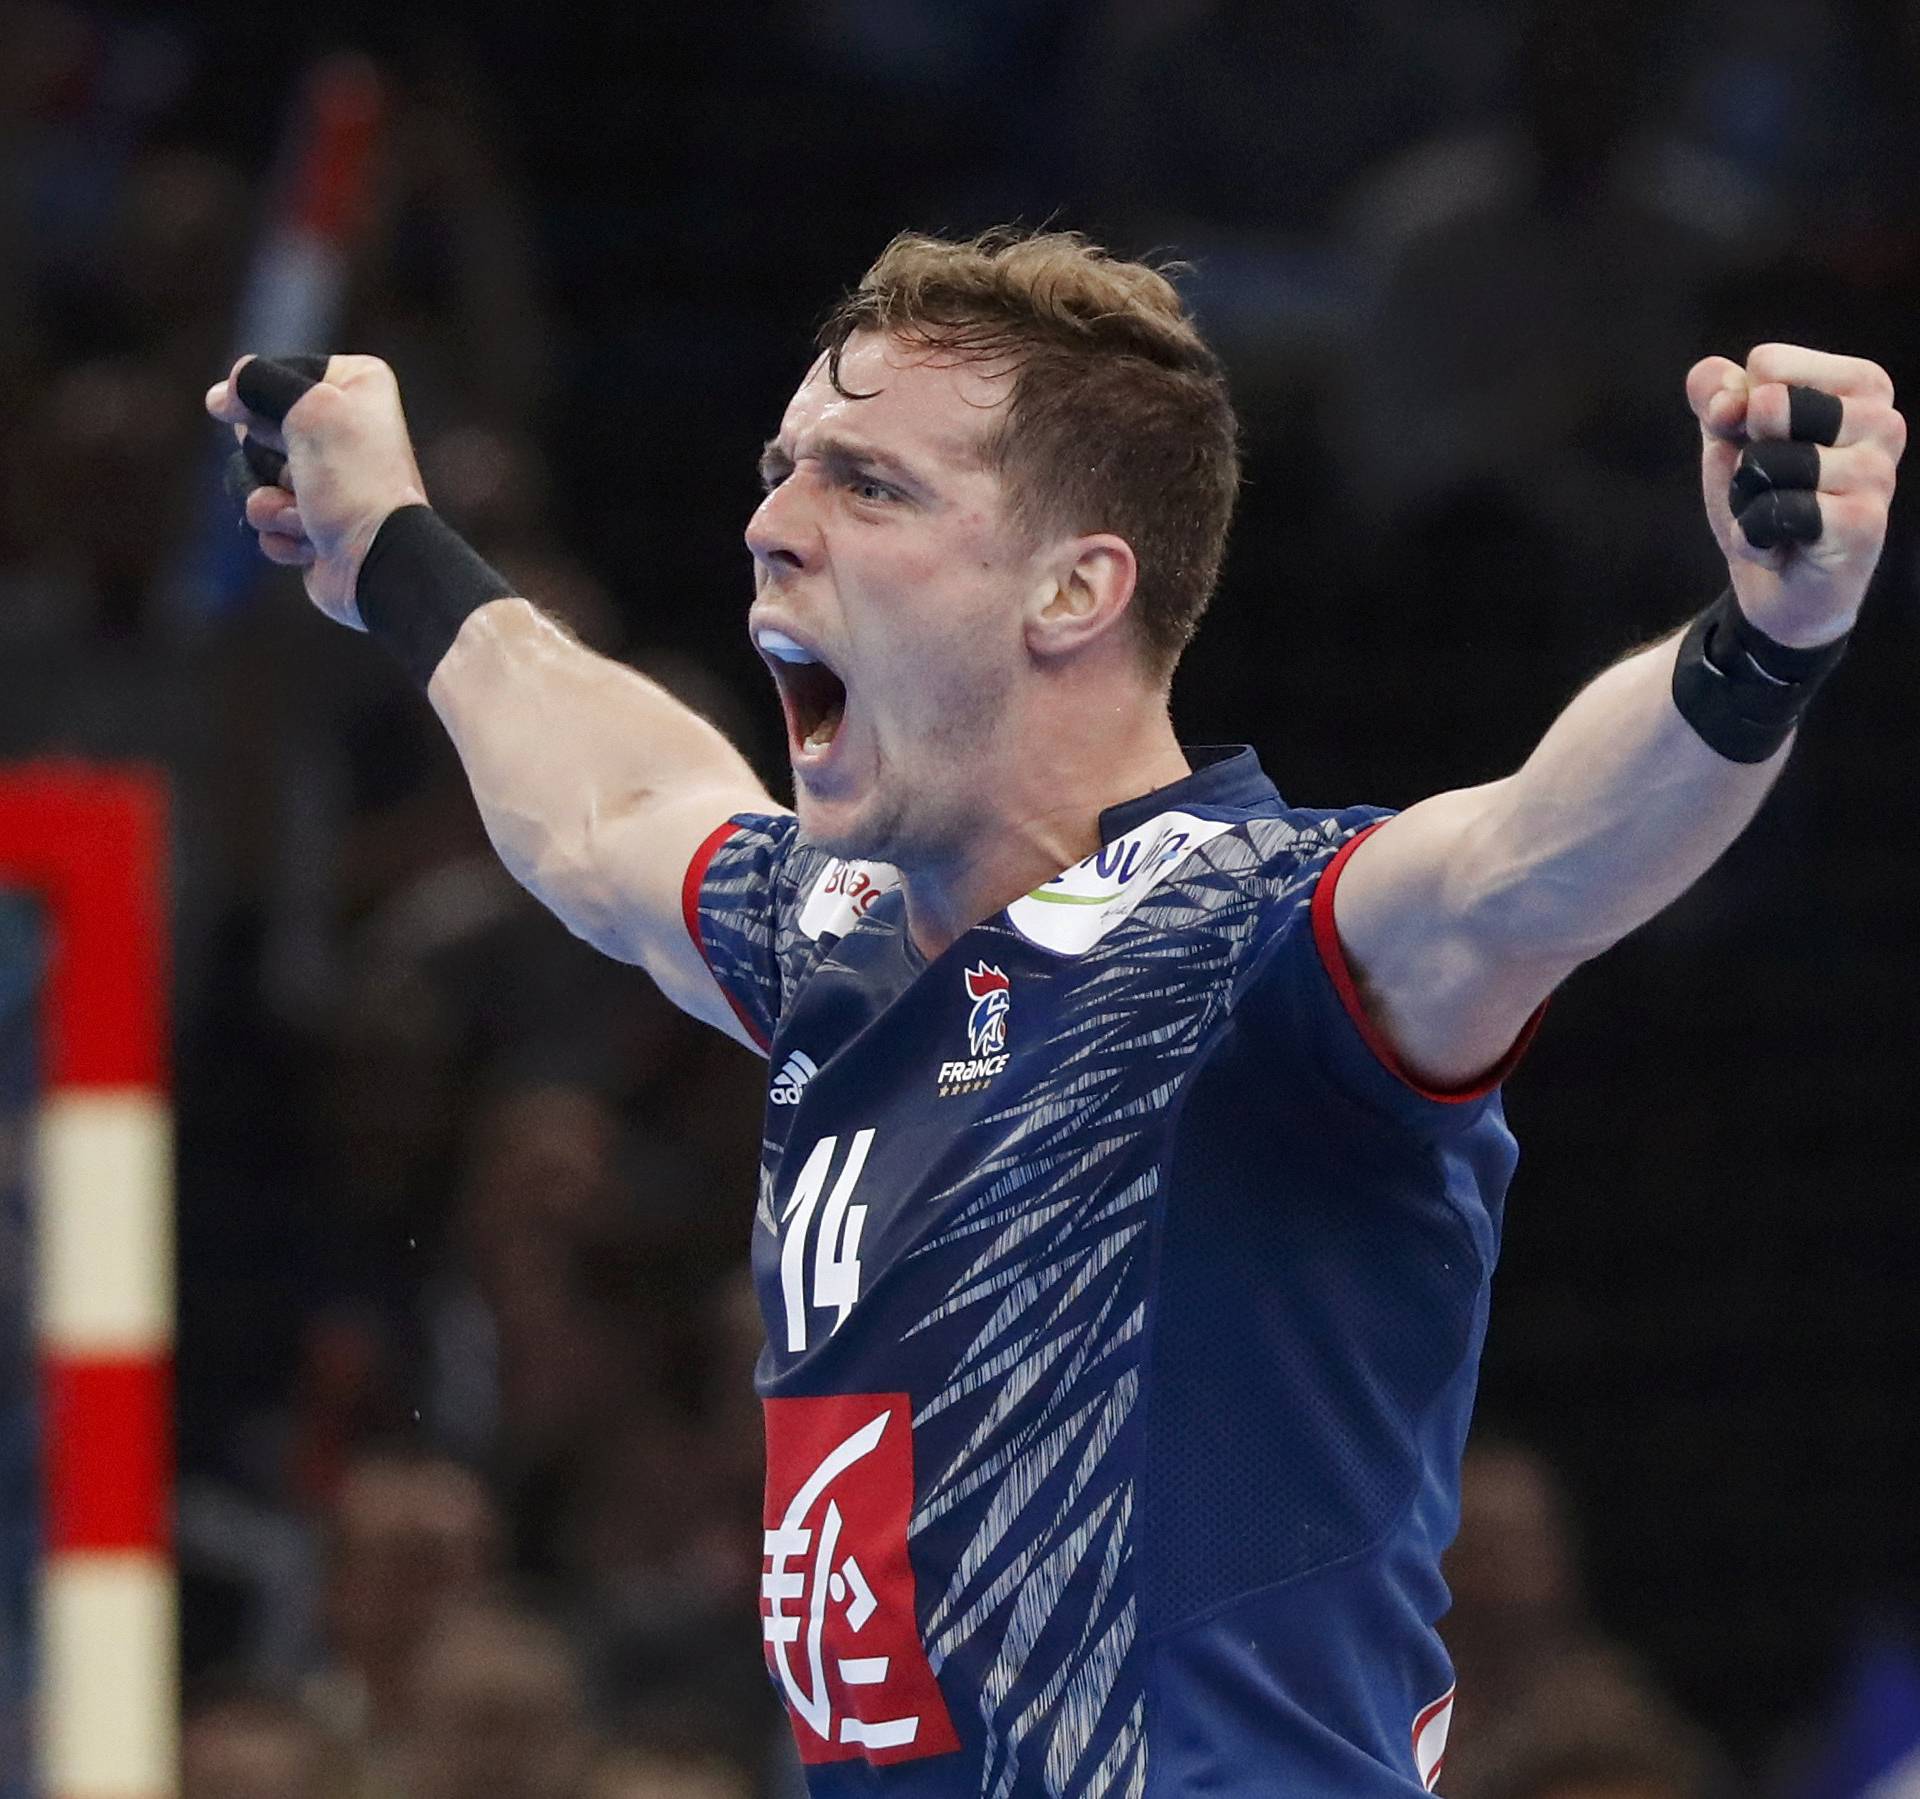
(766, 859)
(1289, 840)
(1187, 868)
(1272, 857)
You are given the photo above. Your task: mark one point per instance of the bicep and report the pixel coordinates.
(1416, 909)
(643, 895)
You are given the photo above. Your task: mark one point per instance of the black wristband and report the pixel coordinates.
(1740, 690)
(419, 580)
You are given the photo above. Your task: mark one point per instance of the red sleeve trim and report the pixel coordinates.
(690, 886)
(1333, 956)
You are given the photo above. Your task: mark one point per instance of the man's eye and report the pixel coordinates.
(865, 487)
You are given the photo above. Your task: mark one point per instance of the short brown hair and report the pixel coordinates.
(1119, 419)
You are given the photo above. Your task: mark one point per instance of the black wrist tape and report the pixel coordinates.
(1741, 691)
(419, 580)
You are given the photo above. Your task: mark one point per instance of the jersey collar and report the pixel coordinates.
(1228, 776)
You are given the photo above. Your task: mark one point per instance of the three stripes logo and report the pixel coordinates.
(798, 1069)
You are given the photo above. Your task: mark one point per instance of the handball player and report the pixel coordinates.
(1134, 1156)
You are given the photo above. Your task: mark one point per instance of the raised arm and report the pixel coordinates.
(1462, 914)
(596, 786)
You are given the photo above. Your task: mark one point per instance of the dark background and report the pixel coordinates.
(448, 1182)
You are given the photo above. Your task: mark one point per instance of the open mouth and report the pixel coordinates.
(812, 695)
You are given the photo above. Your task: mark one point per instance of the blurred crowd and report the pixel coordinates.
(426, 1679)
(469, 1448)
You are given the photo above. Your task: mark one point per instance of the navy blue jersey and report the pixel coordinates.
(1123, 1302)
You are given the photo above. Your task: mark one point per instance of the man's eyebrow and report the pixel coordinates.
(841, 452)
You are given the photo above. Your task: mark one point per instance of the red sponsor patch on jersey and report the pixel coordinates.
(837, 1612)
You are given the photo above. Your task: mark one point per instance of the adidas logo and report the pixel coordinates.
(798, 1070)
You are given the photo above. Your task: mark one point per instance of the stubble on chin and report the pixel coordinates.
(868, 836)
(923, 810)
(901, 831)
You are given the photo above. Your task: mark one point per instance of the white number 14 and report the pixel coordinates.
(836, 1259)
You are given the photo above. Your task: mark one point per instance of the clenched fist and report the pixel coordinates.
(1807, 590)
(349, 463)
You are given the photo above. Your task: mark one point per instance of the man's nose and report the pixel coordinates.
(783, 533)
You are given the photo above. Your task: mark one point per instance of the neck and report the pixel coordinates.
(1046, 818)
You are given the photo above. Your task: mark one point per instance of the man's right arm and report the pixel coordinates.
(596, 786)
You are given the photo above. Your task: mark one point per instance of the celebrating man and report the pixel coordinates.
(1134, 1159)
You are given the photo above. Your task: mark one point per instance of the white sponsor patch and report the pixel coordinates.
(1072, 912)
(842, 896)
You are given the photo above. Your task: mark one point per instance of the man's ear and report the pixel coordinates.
(1082, 593)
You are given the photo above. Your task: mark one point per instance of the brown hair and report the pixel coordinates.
(1119, 419)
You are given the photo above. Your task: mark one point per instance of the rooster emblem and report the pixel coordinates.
(991, 993)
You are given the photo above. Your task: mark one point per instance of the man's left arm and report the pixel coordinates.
(1460, 915)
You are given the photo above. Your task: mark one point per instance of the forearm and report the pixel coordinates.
(569, 754)
(597, 787)
(1617, 812)
(1461, 915)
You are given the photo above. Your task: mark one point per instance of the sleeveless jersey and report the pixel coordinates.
(1124, 1301)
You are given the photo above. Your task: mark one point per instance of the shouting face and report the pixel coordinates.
(889, 588)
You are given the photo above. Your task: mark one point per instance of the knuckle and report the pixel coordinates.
(1768, 410)
(1857, 515)
(1864, 471)
(1765, 362)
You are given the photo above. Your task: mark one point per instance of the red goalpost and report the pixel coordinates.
(88, 846)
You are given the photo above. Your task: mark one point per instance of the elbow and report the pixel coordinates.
(576, 889)
(566, 872)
